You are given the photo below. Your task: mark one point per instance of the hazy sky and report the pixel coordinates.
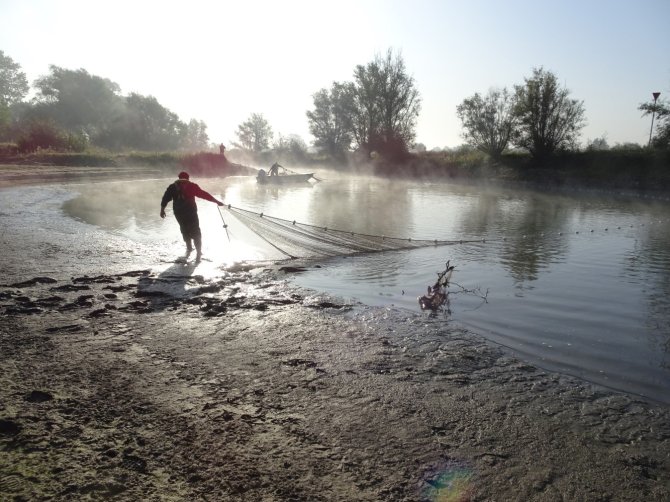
(220, 61)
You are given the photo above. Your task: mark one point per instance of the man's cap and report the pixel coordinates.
(183, 175)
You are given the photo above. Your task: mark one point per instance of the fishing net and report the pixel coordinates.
(302, 240)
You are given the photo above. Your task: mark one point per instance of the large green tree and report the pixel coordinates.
(13, 82)
(330, 122)
(151, 126)
(254, 134)
(13, 88)
(387, 105)
(549, 120)
(196, 138)
(81, 102)
(488, 121)
(77, 100)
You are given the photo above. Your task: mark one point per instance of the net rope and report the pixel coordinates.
(302, 240)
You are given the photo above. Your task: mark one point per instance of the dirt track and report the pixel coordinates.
(139, 384)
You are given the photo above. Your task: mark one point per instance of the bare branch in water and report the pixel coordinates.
(476, 291)
(437, 296)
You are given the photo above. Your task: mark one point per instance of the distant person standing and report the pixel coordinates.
(274, 170)
(222, 149)
(182, 193)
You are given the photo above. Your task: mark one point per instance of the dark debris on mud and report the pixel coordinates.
(143, 291)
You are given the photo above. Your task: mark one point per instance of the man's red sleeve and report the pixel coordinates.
(199, 192)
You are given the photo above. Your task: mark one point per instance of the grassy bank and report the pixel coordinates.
(639, 170)
(632, 170)
(201, 163)
(90, 159)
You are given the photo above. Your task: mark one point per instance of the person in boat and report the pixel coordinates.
(182, 193)
(222, 149)
(274, 170)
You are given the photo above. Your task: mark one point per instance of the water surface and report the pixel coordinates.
(573, 283)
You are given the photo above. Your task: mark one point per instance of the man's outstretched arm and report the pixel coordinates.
(207, 196)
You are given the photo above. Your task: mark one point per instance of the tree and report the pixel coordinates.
(13, 82)
(76, 100)
(290, 148)
(94, 107)
(196, 136)
(142, 123)
(331, 120)
(627, 146)
(386, 106)
(254, 134)
(662, 138)
(13, 88)
(44, 134)
(151, 126)
(5, 120)
(297, 148)
(661, 111)
(489, 121)
(548, 119)
(598, 144)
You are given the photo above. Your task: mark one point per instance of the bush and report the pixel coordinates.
(156, 159)
(8, 149)
(42, 135)
(77, 142)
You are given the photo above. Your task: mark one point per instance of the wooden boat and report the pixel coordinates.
(283, 179)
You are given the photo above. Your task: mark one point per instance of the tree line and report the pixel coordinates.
(538, 116)
(73, 109)
(377, 112)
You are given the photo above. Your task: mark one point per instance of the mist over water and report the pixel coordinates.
(578, 284)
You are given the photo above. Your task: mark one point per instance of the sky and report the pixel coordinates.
(221, 61)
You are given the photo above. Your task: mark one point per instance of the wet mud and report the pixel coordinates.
(142, 383)
(243, 388)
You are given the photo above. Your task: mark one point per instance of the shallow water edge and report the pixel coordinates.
(123, 376)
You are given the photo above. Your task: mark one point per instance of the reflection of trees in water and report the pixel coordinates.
(351, 204)
(648, 264)
(112, 205)
(529, 227)
(379, 208)
(252, 193)
(478, 220)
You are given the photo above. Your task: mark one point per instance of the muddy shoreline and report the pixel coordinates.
(133, 382)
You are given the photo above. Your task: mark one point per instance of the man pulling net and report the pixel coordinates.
(182, 193)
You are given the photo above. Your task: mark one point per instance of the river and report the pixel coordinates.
(575, 283)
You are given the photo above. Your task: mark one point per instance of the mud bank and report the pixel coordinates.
(161, 383)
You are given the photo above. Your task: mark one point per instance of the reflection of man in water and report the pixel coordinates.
(182, 193)
(274, 170)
